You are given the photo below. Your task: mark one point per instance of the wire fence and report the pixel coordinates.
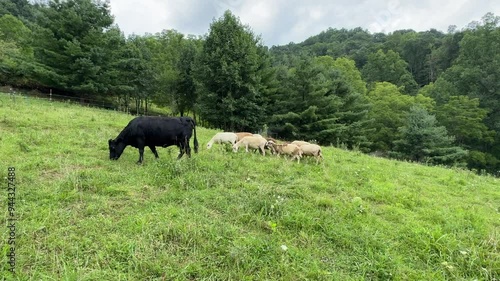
(83, 101)
(26, 95)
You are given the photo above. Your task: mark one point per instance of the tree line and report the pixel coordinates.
(429, 96)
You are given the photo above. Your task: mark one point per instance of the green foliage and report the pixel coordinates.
(416, 49)
(348, 69)
(16, 53)
(71, 43)
(388, 111)
(174, 62)
(12, 29)
(234, 75)
(476, 74)
(21, 9)
(186, 92)
(356, 44)
(422, 140)
(463, 119)
(389, 67)
(317, 103)
(138, 63)
(443, 56)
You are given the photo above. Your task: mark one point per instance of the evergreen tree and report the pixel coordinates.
(234, 72)
(70, 41)
(16, 53)
(317, 103)
(422, 140)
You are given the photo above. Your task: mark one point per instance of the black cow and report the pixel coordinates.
(153, 131)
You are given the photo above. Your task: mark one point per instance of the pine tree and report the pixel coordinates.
(422, 140)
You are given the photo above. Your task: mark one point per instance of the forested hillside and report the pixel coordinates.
(428, 96)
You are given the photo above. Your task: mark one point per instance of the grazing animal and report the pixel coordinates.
(300, 143)
(269, 146)
(312, 150)
(251, 142)
(152, 131)
(271, 139)
(287, 149)
(224, 137)
(242, 135)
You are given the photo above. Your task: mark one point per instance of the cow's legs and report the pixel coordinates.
(141, 155)
(153, 149)
(186, 146)
(140, 146)
(181, 150)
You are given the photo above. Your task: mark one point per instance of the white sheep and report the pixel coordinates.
(251, 142)
(287, 149)
(312, 150)
(224, 137)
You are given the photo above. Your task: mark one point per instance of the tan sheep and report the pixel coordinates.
(242, 135)
(251, 142)
(312, 150)
(300, 143)
(287, 149)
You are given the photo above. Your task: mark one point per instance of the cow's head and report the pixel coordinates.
(116, 148)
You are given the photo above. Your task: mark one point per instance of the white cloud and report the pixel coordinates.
(260, 15)
(283, 21)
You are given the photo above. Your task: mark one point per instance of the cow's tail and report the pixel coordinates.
(195, 139)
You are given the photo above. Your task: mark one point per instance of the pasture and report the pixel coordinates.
(230, 216)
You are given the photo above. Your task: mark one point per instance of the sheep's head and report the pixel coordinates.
(235, 147)
(270, 145)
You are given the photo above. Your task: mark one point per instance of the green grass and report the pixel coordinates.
(231, 216)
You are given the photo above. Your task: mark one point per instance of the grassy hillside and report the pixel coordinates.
(230, 216)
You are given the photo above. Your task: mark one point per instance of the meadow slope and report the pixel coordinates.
(230, 216)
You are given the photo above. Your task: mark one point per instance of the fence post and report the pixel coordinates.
(50, 95)
(13, 95)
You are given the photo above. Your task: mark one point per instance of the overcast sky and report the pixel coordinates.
(279, 22)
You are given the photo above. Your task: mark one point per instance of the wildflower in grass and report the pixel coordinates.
(284, 248)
